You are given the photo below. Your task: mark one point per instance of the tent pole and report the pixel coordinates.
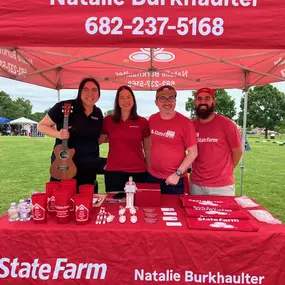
(245, 91)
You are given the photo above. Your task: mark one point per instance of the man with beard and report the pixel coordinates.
(172, 135)
(219, 149)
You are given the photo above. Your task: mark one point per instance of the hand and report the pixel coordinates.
(172, 179)
(63, 134)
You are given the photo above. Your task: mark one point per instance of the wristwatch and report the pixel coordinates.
(178, 172)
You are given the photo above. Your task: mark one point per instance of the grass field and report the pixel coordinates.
(24, 167)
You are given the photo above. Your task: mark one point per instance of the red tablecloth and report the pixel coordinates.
(139, 253)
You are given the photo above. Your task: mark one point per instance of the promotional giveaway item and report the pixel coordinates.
(130, 189)
(62, 206)
(82, 209)
(264, 216)
(50, 188)
(221, 224)
(39, 209)
(246, 202)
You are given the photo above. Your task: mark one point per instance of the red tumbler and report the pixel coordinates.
(62, 206)
(39, 202)
(50, 188)
(82, 209)
(87, 190)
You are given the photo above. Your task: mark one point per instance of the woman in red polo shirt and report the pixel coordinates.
(129, 142)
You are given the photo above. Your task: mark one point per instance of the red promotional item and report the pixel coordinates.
(210, 201)
(148, 195)
(88, 191)
(51, 186)
(216, 213)
(62, 206)
(39, 201)
(70, 183)
(221, 224)
(82, 209)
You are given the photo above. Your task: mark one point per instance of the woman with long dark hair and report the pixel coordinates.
(129, 142)
(85, 126)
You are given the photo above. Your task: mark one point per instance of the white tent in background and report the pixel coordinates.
(22, 121)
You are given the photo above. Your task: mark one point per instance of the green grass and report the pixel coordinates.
(24, 167)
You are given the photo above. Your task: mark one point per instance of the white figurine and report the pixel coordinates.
(130, 189)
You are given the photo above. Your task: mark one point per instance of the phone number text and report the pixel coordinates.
(148, 83)
(12, 68)
(155, 26)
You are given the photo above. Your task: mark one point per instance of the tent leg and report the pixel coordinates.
(58, 95)
(243, 139)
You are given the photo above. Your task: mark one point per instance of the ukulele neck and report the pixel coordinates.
(65, 126)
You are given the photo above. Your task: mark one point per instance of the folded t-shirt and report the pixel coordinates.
(216, 213)
(221, 224)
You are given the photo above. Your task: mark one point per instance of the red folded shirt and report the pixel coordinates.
(216, 213)
(221, 224)
(210, 201)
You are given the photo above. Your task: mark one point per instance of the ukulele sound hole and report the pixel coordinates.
(63, 155)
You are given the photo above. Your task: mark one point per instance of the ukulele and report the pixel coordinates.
(63, 166)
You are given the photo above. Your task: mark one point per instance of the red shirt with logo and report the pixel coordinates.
(213, 166)
(169, 141)
(125, 144)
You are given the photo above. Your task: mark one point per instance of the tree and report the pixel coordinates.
(109, 112)
(37, 116)
(225, 104)
(6, 104)
(266, 108)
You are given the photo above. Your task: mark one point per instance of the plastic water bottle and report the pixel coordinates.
(13, 214)
(24, 211)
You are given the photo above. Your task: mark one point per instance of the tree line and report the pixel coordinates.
(266, 108)
(14, 109)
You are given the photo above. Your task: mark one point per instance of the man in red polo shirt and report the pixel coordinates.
(219, 149)
(172, 135)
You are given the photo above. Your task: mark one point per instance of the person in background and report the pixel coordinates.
(219, 149)
(85, 126)
(129, 142)
(172, 135)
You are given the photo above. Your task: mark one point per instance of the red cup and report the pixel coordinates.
(87, 190)
(82, 209)
(39, 210)
(72, 183)
(62, 206)
(50, 188)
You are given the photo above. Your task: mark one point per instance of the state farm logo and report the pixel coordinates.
(167, 134)
(159, 55)
(221, 225)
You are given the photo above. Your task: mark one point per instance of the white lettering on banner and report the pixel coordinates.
(155, 26)
(197, 278)
(35, 270)
(218, 278)
(166, 276)
(88, 2)
(13, 55)
(186, 3)
(160, 25)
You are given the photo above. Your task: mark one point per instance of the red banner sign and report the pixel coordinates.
(143, 23)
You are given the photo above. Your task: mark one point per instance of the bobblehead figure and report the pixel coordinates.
(130, 189)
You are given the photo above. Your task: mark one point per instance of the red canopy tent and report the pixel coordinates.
(213, 43)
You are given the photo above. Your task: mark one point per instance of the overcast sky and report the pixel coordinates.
(44, 98)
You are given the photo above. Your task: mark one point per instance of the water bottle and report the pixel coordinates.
(24, 212)
(13, 214)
